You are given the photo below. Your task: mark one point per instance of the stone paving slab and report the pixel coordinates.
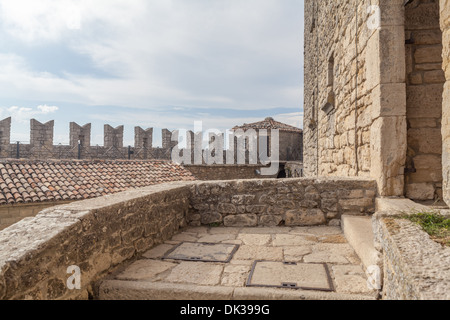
(207, 252)
(293, 275)
(153, 277)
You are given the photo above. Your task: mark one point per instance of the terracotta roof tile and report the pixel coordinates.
(38, 181)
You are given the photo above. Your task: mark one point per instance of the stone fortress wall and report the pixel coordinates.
(374, 86)
(41, 145)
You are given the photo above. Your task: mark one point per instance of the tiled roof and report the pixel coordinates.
(268, 123)
(27, 181)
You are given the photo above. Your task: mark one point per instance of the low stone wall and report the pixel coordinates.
(291, 202)
(414, 266)
(98, 235)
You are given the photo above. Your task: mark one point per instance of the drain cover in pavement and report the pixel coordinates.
(204, 252)
(290, 275)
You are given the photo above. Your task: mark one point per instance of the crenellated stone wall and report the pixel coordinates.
(41, 146)
(41, 143)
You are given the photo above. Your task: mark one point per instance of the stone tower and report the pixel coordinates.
(376, 103)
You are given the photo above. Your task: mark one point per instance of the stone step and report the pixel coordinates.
(359, 234)
(143, 290)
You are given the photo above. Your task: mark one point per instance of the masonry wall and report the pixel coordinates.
(98, 235)
(329, 131)
(424, 88)
(290, 202)
(445, 26)
(355, 91)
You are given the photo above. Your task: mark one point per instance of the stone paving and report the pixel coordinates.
(155, 276)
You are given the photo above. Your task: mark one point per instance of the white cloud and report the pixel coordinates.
(234, 54)
(47, 109)
(24, 114)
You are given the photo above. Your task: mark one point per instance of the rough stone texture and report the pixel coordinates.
(414, 266)
(291, 202)
(96, 235)
(355, 97)
(80, 135)
(445, 27)
(5, 137)
(373, 105)
(424, 84)
(41, 138)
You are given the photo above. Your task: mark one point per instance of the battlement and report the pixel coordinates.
(41, 144)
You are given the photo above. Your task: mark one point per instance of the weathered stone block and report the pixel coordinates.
(243, 199)
(227, 208)
(256, 209)
(424, 101)
(389, 100)
(211, 217)
(241, 220)
(435, 76)
(420, 191)
(305, 217)
(270, 220)
(431, 54)
(425, 140)
(388, 155)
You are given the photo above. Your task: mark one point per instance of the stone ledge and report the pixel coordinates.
(134, 290)
(415, 266)
(359, 234)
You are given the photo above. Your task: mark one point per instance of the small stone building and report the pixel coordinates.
(377, 94)
(291, 138)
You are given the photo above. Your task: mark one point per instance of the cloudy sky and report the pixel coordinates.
(149, 63)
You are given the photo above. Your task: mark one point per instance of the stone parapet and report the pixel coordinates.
(95, 235)
(414, 266)
(291, 202)
(98, 235)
